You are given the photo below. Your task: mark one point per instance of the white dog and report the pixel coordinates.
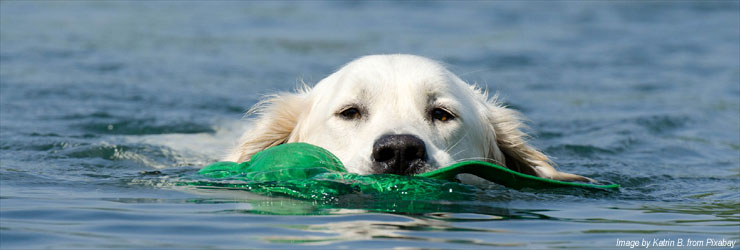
(399, 114)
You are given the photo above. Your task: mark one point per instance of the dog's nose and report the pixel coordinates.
(399, 154)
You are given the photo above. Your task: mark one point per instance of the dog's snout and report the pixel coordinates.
(399, 154)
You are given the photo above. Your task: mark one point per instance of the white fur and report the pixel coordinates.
(396, 93)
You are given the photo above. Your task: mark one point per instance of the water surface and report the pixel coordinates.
(97, 96)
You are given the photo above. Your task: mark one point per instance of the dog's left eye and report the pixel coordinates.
(350, 113)
(441, 115)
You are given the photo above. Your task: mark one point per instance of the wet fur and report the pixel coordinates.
(281, 118)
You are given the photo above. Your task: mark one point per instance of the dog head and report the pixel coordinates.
(399, 114)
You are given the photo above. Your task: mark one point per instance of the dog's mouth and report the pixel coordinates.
(414, 167)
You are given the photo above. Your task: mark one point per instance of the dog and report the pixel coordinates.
(396, 114)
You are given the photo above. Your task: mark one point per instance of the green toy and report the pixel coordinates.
(306, 171)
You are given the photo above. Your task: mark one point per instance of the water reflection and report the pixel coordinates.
(395, 227)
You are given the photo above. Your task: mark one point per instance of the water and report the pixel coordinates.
(96, 96)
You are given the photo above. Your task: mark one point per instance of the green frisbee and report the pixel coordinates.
(306, 171)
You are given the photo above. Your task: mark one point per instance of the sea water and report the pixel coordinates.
(102, 104)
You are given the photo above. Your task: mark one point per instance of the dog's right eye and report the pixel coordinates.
(350, 113)
(442, 115)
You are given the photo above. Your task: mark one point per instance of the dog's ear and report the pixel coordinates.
(276, 119)
(510, 143)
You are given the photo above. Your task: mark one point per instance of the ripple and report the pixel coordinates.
(579, 150)
(663, 123)
(497, 61)
(140, 154)
(146, 127)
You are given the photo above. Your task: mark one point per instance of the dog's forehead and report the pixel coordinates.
(390, 73)
(395, 70)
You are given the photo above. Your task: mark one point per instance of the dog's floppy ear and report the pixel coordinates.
(277, 118)
(511, 145)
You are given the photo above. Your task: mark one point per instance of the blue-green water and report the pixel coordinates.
(96, 96)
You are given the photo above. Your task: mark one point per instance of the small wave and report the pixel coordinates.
(579, 150)
(145, 127)
(140, 154)
(662, 123)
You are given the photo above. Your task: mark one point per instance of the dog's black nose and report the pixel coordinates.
(399, 154)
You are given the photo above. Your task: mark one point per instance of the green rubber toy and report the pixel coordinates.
(305, 171)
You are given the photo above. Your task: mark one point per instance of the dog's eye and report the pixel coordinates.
(350, 113)
(441, 115)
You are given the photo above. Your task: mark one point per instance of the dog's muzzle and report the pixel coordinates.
(399, 154)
